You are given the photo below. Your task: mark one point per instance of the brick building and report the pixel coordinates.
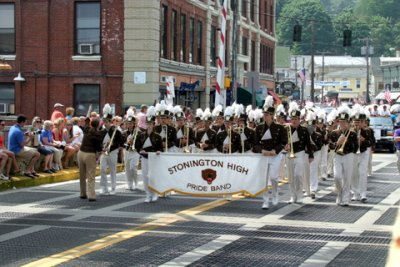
(69, 52)
(86, 52)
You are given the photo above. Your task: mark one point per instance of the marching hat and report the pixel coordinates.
(107, 116)
(228, 115)
(217, 111)
(294, 110)
(150, 115)
(344, 113)
(178, 112)
(161, 109)
(207, 116)
(269, 105)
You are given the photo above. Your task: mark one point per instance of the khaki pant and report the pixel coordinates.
(87, 174)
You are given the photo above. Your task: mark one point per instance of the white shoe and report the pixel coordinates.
(3, 177)
(265, 205)
(275, 200)
(147, 199)
(112, 192)
(104, 192)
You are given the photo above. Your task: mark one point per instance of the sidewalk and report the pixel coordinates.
(72, 173)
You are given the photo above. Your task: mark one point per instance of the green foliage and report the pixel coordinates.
(310, 14)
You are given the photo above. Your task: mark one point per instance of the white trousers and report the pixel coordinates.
(295, 174)
(131, 159)
(359, 178)
(314, 178)
(343, 172)
(398, 160)
(109, 161)
(272, 175)
(282, 169)
(323, 166)
(330, 163)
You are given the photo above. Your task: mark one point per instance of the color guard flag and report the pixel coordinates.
(387, 95)
(302, 74)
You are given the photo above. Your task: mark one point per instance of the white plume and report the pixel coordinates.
(234, 104)
(269, 102)
(248, 109)
(151, 111)
(170, 108)
(258, 115)
(357, 109)
(177, 109)
(280, 109)
(130, 113)
(321, 114)
(239, 110)
(216, 111)
(251, 115)
(293, 106)
(107, 109)
(332, 115)
(310, 116)
(309, 105)
(344, 108)
(229, 111)
(199, 113)
(206, 114)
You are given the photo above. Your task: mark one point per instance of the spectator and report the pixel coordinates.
(77, 132)
(82, 122)
(46, 138)
(69, 113)
(17, 142)
(141, 116)
(11, 156)
(35, 143)
(60, 136)
(57, 112)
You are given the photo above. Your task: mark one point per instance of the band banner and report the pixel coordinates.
(207, 174)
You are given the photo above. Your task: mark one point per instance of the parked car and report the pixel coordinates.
(383, 131)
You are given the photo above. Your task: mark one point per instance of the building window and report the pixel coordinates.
(244, 8)
(7, 29)
(213, 46)
(174, 35)
(253, 56)
(191, 40)
(199, 42)
(87, 32)
(84, 96)
(252, 7)
(7, 98)
(163, 31)
(245, 48)
(358, 83)
(183, 53)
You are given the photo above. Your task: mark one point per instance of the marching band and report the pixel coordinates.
(305, 146)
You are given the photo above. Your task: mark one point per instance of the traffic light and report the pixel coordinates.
(227, 82)
(346, 38)
(297, 33)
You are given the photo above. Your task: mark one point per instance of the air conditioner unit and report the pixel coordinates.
(163, 79)
(4, 108)
(86, 49)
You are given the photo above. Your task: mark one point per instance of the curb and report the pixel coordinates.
(72, 173)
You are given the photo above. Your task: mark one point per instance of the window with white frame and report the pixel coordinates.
(7, 28)
(87, 28)
(86, 95)
(358, 83)
(7, 98)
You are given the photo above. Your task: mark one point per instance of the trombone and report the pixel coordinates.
(108, 145)
(290, 142)
(186, 135)
(131, 147)
(339, 149)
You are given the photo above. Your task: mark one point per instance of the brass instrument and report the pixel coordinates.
(108, 145)
(131, 147)
(358, 140)
(241, 131)
(165, 130)
(186, 135)
(290, 142)
(230, 140)
(340, 148)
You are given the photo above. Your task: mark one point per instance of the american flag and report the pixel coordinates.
(387, 95)
(302, 74)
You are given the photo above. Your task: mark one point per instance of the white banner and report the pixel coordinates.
(207, 174)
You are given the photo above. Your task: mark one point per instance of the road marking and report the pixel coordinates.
(104, 242)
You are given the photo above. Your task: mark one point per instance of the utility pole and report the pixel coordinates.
(302, 85)
(295, 69)
(234, 50)
(323, 72)
(368, 51)
(312, 60)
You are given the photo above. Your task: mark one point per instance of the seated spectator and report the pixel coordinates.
(59, 135)
(46, 138)
(73, 134)
(82, 122)
(17, 141)
(57, 112)
(35, 143)
(10, 155)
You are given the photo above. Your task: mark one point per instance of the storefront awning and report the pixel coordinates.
(393, 95)
(345, 95)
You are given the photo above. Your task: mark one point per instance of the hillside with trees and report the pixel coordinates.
(323, 23)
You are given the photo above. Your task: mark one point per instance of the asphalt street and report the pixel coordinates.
(50, 225)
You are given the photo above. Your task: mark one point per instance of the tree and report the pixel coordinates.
(383, 8)
(307, 13)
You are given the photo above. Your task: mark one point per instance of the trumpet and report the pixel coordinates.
(109, 143)
(290, 142)
(165, 130)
